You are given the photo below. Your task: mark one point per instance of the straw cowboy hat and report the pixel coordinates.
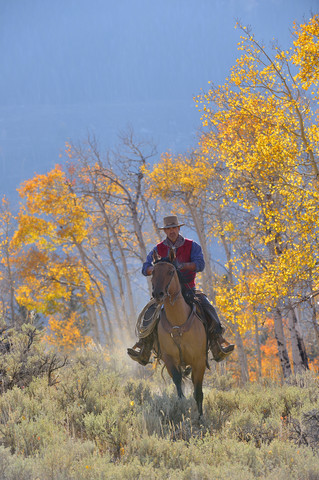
(171, 222)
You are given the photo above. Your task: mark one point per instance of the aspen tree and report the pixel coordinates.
(263, 124)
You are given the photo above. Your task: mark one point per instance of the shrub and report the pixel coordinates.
(24, 358)
(97, 422)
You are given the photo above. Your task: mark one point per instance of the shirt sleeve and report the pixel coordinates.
(149, 261)
(197, 257)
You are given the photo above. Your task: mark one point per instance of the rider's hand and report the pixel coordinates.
(149, 270)
(191, 266)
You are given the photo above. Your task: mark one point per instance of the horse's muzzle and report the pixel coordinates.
(158, 295)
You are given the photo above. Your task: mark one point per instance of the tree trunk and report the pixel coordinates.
(129, 295)
(11, 290)
(93, 321)
(299, 354)
(120, 285)
(200, 230)
(118, 315)
(153, 220)
(108, 334)
(314, 319)
(138, 231)
(281, 344)
(90, 308)
(244, 375)
(239, 341)
(258, 350)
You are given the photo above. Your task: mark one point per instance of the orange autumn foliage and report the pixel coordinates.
(67, 333)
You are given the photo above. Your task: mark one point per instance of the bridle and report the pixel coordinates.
(172, 297)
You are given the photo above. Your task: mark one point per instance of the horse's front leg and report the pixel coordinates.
(197, 379)
(176, 374)
(177, 379)
(198, 395)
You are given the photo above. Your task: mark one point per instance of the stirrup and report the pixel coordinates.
(227, 347)
(219, 351)
(216, 350)
(136, 356)
(138, 344)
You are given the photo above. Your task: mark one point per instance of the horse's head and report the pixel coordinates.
(164, 276)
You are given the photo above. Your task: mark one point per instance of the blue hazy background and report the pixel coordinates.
(73, 67)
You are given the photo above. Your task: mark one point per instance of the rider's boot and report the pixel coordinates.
(219, 346)
(143, 355)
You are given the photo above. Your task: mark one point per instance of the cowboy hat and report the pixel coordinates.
(171, 222)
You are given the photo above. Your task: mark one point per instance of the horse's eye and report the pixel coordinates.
(171, 273)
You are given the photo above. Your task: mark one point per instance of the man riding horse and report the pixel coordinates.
(190, 260)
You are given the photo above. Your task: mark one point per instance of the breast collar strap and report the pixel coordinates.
(177, 330)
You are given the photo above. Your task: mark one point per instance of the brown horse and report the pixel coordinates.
(181, 334)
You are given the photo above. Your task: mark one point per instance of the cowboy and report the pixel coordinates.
(190, 260)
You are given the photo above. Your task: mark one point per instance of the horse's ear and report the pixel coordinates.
(172, 255)
(156, 257)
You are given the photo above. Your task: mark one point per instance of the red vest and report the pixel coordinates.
(183, 255)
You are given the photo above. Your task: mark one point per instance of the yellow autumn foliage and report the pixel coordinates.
(53, 224)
